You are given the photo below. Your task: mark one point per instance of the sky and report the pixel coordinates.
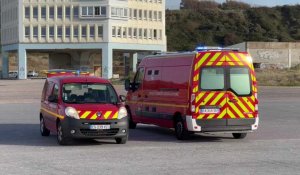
(174, 4)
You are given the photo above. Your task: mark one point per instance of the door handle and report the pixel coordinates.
(146, 96)
(139, 95)
(233, 100)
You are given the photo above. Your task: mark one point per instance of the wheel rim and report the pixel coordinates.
(179, 128)
(59, 133)
(42, 124)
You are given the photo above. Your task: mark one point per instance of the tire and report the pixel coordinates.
(44, 131)
(121, 140)
(132, 125)
(62, 139)
(239, 135)
(180, 131)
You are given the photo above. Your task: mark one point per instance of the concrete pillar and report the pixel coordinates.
(107, 61)
(134, 61)
(5, 64)
(22, 58)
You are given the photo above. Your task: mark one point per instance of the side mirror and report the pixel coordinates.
(127, 84)
(52, 99)
(122, 98)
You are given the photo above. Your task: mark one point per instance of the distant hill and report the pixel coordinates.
(229, 23)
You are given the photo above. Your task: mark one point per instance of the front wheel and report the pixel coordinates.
(132, 124)
(62, 139)
(44, 131)
(121, 140)
(239, 135)
(180, 130)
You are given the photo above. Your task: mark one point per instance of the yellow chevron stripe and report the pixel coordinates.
(115, 115)
(94, 117)
(107, 114)
(195, 89)
(203, 59)
(84, 115)
(207, 98)
(241, 115)
(199, 96)
(222, 114)
(231, 115)
(223, 58)
(217, 98)
(196, 77)
(251, 106)
(250, 116)
(201, 116)
(211, 116)
(219, 63)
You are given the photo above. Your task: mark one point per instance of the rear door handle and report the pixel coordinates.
(233, 100)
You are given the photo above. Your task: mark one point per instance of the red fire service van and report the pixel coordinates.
(213, 90)
(82, 107)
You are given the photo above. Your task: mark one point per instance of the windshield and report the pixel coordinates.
(89, 93)
(237, 79)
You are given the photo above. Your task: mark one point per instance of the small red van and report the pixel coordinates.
(203, 91)
(82, 107)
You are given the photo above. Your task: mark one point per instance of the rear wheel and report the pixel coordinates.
(62, 139)
(43, 129)
(239, 135)
(180, 130)
(121, 140)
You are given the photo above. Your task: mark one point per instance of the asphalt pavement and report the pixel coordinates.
(273, 149)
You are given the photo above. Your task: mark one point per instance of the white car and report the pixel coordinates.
(32, 74)
(13, 74)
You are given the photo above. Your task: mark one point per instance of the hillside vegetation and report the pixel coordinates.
(229, 23)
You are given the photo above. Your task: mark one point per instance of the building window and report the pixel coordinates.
(129, 32)
(155, 34)
(43, 12)
(51, 31)
(155, 15)
(134, 13)
(103, 11)
(68, 31)
(59, 31)
(75, 12)
(140, 33)
(87, 11)
(130, 13)
(59, 12)
(145, 14)
(119, 32)
(51, 12)
(100, 31)
(27, 12)
(97, 11)
(68, 12)
(75, 31)
(43, 31)
(92, 31)
(150, 15)
(125, 14)
(150, 34)
(140, 14)
(27, 31)
(35, 12)
(124, 32)
(134, 32)
(35, 31)
(83, 31)
(145, 33)
(160, 16)
(113, 31)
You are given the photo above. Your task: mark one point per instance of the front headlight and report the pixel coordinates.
(71, 112)
(122, 113)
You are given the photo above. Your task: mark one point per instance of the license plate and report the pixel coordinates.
(210, 111)
(99, 127)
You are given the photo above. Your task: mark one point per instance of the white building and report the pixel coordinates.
(72, 30)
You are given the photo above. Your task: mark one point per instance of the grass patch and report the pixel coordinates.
(284, 77)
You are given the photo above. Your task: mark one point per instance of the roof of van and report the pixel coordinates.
(79, 79)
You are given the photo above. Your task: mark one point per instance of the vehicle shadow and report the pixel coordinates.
(158, 134)
(29, 135)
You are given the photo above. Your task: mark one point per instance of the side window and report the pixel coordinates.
(55, 91)
(139, 77)
(45, 90)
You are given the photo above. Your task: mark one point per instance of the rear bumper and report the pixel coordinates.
(222, 125)
(118, 128)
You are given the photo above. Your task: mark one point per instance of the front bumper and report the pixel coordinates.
(81, 128)
(222, 125)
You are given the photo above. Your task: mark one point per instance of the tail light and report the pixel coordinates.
(193, 107)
